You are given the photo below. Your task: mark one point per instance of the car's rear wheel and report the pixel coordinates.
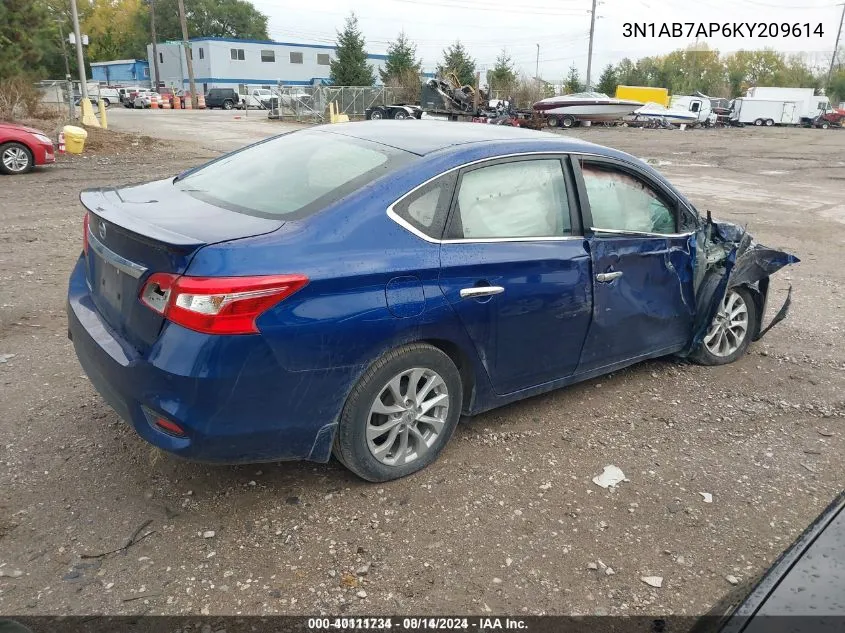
(400, 115)
(228, 104)
(730, 333)
(15, 159)
(401, 413)
(376, 115)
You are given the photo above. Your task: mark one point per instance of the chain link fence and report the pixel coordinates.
(311, 103)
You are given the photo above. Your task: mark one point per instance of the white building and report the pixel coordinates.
(221, 62)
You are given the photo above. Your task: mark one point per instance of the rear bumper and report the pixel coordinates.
(229, 393)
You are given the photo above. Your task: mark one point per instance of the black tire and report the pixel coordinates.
(350, 445)
(704, 356)
(770, 122)
(553, 121)
(400, 115)
(758, 122)
(376, 115)
(568, 121)
(25, 159)
(824, 125)
(228, 104)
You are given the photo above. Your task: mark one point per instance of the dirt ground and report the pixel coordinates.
(508, 520)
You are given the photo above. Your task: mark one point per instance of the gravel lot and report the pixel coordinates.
(508, 521)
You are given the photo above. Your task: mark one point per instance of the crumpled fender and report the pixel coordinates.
(746, 263)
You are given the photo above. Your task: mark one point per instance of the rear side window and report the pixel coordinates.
(292, 176)
(426, 208)
(516, 199)
(622, 202)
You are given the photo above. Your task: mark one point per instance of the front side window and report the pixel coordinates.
(622, 202)
(513, 200)
(293, 175)
(296, 58)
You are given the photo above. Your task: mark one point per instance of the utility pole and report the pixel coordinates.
(187, 46)
(835, 47)
(155, 46)
(590, 49)
(80, 59)
(537, 72)
(68, 82)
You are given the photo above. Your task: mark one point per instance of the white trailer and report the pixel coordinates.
(810, 105)
(765, 112)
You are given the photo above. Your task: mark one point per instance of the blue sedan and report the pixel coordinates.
(354, 289)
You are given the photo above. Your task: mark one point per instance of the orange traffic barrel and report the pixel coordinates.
(165, 103)
(201, 102)
(154, 102)
(186, 101)
(176, 103)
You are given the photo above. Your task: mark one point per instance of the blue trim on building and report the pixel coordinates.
(234, 40)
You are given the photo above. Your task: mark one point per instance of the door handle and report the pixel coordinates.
(605, 277)
(477, 292)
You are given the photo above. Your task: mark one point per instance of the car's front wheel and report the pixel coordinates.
(15, 159)
(731, 330)
(401, 413)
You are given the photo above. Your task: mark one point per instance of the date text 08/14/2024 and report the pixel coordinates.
(481, 624)
(725, 29)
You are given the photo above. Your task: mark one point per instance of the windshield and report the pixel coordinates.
(292, 176)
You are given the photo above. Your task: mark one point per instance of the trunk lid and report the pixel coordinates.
(136, 231)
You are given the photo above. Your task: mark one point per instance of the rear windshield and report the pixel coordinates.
(292, 176)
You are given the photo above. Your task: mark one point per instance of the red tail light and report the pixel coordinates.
(85, 234)
(217, 305)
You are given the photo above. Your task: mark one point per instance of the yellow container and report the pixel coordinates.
(74, 139)
(643, 94)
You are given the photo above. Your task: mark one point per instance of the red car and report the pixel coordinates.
(22, 148)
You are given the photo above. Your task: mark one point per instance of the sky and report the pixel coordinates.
(560, 27)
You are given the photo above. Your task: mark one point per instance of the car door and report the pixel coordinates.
(516, 271)
(639, 236)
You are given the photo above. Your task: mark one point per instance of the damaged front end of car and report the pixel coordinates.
(726, 256)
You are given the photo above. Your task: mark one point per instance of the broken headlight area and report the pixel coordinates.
(726, 256)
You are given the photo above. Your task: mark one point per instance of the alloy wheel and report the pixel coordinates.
(407, 416)
(16, 159)
(729, 327)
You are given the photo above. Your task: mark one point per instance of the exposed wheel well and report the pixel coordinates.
(464, 365)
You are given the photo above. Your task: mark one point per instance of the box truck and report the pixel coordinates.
(765, 112)
(643, 94)
(810, 106)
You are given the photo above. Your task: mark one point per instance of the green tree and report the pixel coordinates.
(351, 67)
(797, 74)
(503, 76)
(209, 18)
(401, 62)
(745, 69)
(24, 32)
(627, 73)
(115, 29)
(572, 83)
(456, 60)
(836, 89)
(608, 81)
(695, 68)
